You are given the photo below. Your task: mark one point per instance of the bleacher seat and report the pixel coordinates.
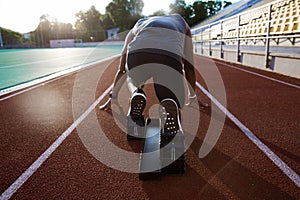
(285, 17)
(285, 20)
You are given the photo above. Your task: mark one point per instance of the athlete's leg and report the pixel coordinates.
(135, 82)
(170, 90)
(169, 81)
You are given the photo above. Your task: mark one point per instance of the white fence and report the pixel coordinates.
(78, 43)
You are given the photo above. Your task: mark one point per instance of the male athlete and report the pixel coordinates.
(160, 48)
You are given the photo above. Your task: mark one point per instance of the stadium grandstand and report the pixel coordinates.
(259, 33)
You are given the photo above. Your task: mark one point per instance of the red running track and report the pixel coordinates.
(235, 168)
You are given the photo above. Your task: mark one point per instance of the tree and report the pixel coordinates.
(47, 31)
(118, 10)
(136, 7)
(185, 10)
(61, 30)
(124, 13)
(200, 12)
(226, 3)
(179, 7)
(42, 32)
(159, 13)
(213, 7)
(11, 38)
(89, 26)
(107, 22)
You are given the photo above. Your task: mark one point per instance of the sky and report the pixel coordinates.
(23, 15)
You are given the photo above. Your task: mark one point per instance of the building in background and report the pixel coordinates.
(113, 34)
(26, 36)
(64, 43)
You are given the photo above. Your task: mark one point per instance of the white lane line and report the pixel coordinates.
(36, 62)
(257, 74)
(42, 81)
(268, 152)
(260, 75)
(7, 194)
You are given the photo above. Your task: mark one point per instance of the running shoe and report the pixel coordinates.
(137, 106)
(170, 118)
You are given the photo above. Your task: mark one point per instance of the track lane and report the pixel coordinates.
(268, 108)
(32, 121)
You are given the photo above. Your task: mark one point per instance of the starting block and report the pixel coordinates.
(150, 163)
(135, 128)
(167, 151)
(172, 153)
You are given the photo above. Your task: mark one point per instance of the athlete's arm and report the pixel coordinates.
(120, 78)
(189, 62)
(190, 70)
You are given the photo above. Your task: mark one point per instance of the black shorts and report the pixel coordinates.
(166, 72)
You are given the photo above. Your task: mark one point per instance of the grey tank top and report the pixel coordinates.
(161, 34)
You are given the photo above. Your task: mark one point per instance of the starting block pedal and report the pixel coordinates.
(150, 164)
(167, 151)
(172, 154)
(135, 128)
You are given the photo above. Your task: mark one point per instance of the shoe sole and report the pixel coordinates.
(137, 105)
(169, 128)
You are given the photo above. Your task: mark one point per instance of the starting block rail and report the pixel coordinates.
(135, 128)
(161, 154)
